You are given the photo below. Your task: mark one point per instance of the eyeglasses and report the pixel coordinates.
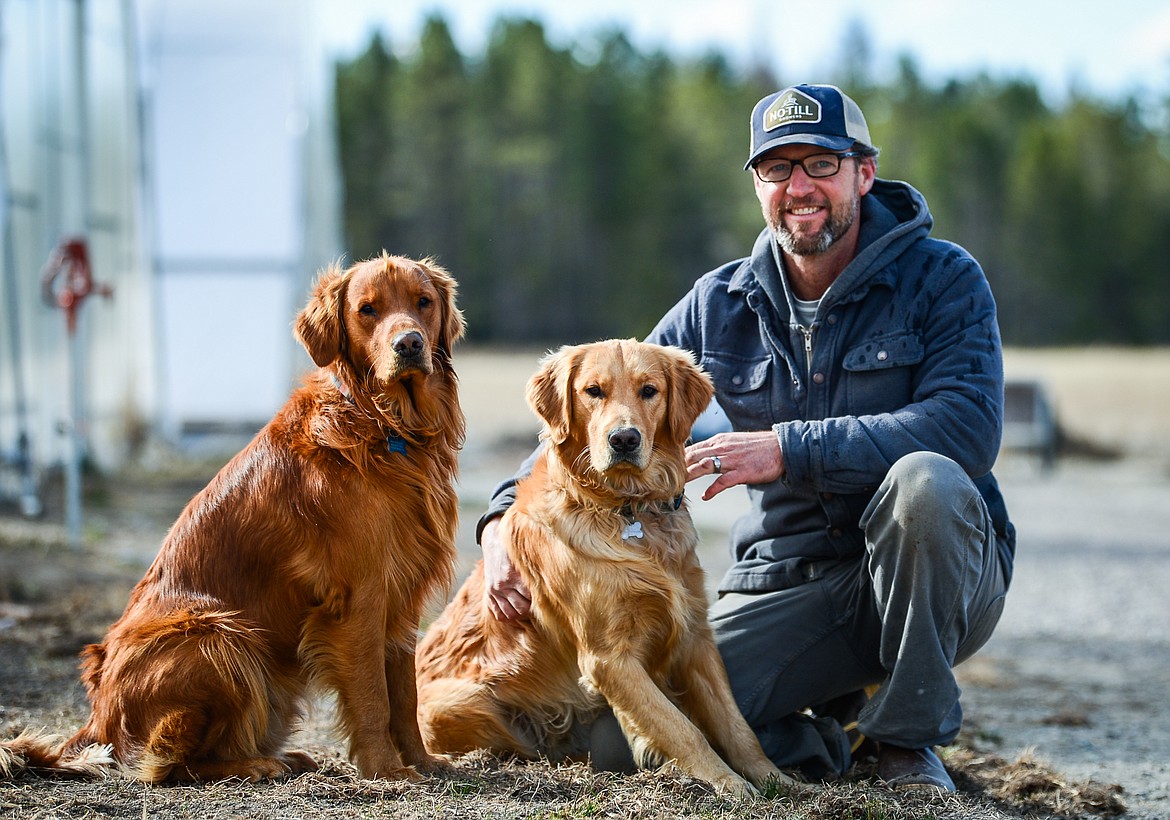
(817, 166)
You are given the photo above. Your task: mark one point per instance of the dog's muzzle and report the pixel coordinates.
(409, 345)
(410, 355)
(625, 443)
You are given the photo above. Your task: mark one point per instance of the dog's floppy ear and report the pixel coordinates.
(690, 392)
(453, 323)
(320, 327)
(550, 393)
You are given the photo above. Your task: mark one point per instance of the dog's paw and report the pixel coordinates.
(390, 772)
(434, 765)
(767, 778)
(254, 770)
(298, 762)
(403, 773)
(732, 785)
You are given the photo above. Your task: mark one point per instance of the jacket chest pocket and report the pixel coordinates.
(743, 388)
(879, 373)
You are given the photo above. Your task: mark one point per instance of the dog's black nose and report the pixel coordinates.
(625, 440)
(409, 344)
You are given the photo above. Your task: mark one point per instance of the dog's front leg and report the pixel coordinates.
(403, 693)
(706, 696)
(352, 656)
(652, 724)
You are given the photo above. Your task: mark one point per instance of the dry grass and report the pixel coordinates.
(40, 635)
(1028, 785)
(484, 787)
(1112, 398)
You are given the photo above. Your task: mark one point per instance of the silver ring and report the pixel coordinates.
(717, 464)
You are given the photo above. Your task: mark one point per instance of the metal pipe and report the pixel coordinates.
(30, 502)
(76, 425)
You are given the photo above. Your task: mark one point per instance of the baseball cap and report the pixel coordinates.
(806, 114)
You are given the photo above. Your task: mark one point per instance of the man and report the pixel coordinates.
(858, 360)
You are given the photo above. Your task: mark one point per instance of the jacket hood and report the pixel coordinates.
(894, 215)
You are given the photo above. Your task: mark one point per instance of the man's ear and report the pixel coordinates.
(866, 174)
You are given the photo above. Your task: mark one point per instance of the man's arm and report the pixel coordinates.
(508, 596)
(954, 405)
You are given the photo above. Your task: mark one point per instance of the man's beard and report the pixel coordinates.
(836, 226)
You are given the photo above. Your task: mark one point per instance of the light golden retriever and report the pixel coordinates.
(601, 534)
(305, 563)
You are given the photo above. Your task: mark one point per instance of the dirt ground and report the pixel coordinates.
(1061, 706)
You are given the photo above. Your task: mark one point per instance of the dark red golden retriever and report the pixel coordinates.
(601, 535)
(304, 564)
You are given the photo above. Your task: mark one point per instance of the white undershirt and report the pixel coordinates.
(806, 312)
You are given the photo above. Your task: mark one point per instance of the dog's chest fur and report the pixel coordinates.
(654, 532)
(652, 578)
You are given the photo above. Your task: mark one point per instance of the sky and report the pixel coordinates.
(1103, 49)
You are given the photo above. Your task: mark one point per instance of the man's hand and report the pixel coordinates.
(507, 594)
(741, 458)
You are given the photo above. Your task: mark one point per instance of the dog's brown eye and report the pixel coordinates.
(424, 302)
(649, 391)
(594, 391)
(368, 310)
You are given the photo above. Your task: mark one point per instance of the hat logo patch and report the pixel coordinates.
(793, 107)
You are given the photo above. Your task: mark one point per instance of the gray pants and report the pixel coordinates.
(925, 595)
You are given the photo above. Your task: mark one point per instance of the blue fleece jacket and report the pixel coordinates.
(904, 355)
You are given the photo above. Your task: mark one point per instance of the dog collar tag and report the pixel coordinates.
(396, 444)
(632, 530)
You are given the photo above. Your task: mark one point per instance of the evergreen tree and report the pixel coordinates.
(577, 191)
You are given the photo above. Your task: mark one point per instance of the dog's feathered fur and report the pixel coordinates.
(306, 561)
(614, 619)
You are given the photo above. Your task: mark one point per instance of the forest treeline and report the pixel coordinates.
(577, 191)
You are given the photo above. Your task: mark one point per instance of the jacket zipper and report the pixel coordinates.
(807, 333)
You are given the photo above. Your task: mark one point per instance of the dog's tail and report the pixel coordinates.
(220, 694)
(40, 751)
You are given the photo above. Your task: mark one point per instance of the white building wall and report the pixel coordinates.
(235, 89)
(69, 132)
(201, 170)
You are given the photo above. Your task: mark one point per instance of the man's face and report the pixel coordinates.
(807, 215)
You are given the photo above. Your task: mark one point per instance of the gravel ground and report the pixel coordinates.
(1079, 668)
(1074, 676)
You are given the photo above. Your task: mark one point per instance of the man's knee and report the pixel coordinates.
(923, 485)
(925, 498)
(926, 475)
